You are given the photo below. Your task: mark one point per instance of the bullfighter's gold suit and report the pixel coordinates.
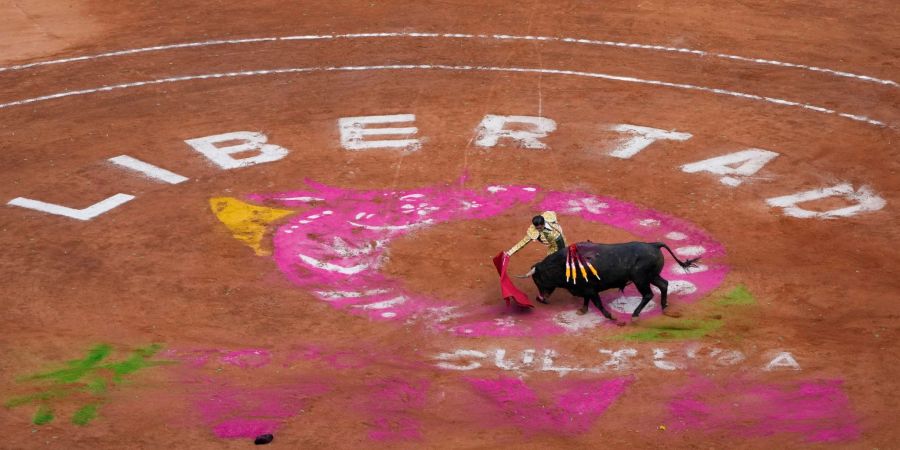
(551, 235)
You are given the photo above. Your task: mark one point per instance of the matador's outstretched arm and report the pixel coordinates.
(525, 240)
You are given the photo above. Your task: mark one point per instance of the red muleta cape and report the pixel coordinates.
(509, 290)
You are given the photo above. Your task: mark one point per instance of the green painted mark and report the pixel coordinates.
(673, 329)
(96, 386)
(738, 296)
(665, 328)
(91, 374)
(84, 415)
(37, 397)
(137, 361)
(43, 415)
(77, 368)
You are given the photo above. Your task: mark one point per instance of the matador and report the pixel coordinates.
(544, 229)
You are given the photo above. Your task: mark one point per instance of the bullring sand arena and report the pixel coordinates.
(222, 220)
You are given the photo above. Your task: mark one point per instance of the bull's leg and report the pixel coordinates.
(599, 304)
(596, 301)
(584, 309)
(663, 286)
(643, 286)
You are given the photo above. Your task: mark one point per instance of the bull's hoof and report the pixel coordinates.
(620, 323)
(581, 311)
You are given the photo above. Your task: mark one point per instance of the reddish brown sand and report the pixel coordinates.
(163, 269)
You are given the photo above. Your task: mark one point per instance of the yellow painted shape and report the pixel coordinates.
(248, 223)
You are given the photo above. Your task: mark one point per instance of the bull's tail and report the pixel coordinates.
(684, 264)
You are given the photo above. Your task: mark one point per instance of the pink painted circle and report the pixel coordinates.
(336, 247)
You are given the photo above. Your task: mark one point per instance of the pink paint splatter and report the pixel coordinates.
(241, 412)
(349, 359)
(336, 359)
(193, 359)
(577, 404)
(336, 248)
(246, 358)
(390, 404)
(817, 410)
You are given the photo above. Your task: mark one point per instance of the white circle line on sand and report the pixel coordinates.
(603, 76)
(313, 37)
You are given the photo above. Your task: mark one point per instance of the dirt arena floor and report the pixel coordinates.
(208, 235)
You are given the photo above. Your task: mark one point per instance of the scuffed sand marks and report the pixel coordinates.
(39, 28)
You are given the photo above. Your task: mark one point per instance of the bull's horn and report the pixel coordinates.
(530, 273)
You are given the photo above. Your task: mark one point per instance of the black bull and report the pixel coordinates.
(617, 264)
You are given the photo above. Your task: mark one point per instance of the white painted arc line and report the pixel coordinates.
(604, 76)
(136, 50)
(313, 37)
